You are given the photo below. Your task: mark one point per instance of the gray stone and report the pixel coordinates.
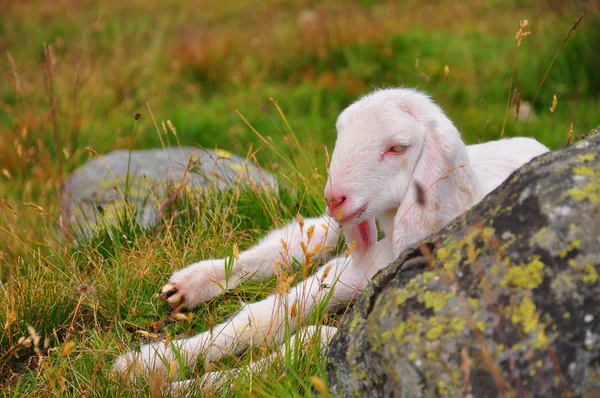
(503, 301)
(108, 184)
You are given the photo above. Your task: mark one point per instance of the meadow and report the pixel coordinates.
(261, 79)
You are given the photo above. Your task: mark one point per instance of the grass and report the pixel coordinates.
(74, 74)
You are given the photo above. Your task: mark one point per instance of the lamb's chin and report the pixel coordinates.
(356, 217)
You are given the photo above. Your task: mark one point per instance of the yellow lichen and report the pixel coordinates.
(435, 332)
(589, 191)
(586, 158)
(458, 325)
(427, 277)
(526, 315)
(396, 334)
(473, 302)
(451, 255)
(576, 244)
(499, 349)
(528, 276)
(354, 323)
(590, 274)
(583, 170)
(436, 300)
(542, 340)
(401, 297)
(542, 234)
(442, 389)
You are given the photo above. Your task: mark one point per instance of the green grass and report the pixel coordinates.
(206, 68)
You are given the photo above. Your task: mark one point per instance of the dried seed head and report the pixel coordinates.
(554, 103)
(172, 369)
(577, 21)
(310, 232)
(34, 335)
(285, 246)
(325, 273)
(84, 288)
(167, 338)
(4, 203)
(67, 348)
(319, 385)
(10, 319)
(339, 215)
(570, 136)
(236, 252)
(304, 249)
(293, 310)
(351, 248)
(300, 221)
(446, 71)
(147, 334)
(520, 33)
(172, 128)
(315, 250)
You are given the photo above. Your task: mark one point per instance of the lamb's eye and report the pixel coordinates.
(398, 149)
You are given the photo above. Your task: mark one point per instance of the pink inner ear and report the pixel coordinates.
(364, 234)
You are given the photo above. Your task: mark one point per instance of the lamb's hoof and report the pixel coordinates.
(196, 283)
(172, 294)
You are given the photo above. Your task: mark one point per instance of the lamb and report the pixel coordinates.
(393, 147)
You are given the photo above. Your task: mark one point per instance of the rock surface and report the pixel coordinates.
(503, 301)
(98, 189)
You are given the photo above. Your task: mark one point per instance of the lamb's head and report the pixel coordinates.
(388, 142)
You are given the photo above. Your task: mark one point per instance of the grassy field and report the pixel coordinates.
(74, 74)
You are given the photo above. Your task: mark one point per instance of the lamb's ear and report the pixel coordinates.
(443, 149)
(364, 234)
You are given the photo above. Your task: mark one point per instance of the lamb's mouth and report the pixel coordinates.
(354, 215)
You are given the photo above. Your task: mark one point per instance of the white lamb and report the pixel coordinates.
(391, 144)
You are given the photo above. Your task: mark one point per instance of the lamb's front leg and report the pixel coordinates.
(204, 280)
(263, 322)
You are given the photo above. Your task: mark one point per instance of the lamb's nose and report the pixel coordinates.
(334, 202)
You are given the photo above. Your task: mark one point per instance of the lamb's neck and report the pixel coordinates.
(443, 200)
(386, 222)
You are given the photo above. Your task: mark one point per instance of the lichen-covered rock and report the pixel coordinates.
(503, 301)
(105, 185)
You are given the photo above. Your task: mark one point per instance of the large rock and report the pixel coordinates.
(106, 185)
(503, 301)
